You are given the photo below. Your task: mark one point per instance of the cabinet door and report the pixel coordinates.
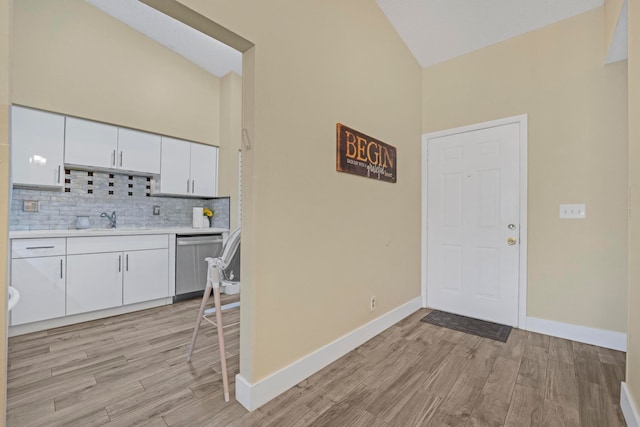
(175, 166)
(94, 282)
(146, 275)
(138, 151)
(37, 148)
(41, 284)
(204, 170)
(90, 144)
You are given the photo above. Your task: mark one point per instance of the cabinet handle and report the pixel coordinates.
(61, 268)
(39, 247)
(193, 186)
(187, 186)
(59, 174)
(127, 262)
(113, 158)
(119, 263)
(121, 159)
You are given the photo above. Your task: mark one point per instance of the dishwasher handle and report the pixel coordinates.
(198, 242)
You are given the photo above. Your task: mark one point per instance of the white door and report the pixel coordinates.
(89, 143)
(41, 283)
(175, 165)
(37, 147)
(138, 151)
(94, 282)
(146, 275)
(473, 223)
(204, 170)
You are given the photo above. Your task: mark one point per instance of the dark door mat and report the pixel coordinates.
(468, 325)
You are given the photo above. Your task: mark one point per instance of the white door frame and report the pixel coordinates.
(522, 279)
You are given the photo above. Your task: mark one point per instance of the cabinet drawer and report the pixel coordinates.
(100, 244)
(29, 248)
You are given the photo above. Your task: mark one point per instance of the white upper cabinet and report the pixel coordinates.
(37, 148)
(90, 144)
(188, 169)
(138, 151)
(101, 146)
(204, 170)
(175, 167)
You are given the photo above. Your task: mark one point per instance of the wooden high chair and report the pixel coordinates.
(219, 274)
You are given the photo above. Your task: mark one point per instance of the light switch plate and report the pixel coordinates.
(30, 206)
(573, 211)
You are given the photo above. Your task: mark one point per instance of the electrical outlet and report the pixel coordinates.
(373, 303)
(156, 210)
(30, 206)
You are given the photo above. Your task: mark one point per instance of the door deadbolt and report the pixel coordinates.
(511, 226)
(511, 241)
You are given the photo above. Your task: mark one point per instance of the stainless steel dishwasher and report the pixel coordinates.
(191, 268)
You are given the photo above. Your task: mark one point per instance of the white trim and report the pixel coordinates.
(600, 337)
(423, 221)
(628, 407)
(522, 120)
(252, 396)
(524, 194)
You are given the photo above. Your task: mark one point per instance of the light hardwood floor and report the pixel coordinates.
(131, 370)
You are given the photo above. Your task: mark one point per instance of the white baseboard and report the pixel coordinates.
(600, 337)
(629, 409)
(85, 317)
(252, 396)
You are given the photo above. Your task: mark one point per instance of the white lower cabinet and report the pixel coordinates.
(38, 273)
(146, 275)
(74, 275)
(122, 270)
(40, 282)
(94, 282)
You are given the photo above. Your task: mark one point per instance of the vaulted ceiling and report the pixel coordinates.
(434, 30)
(439, 30)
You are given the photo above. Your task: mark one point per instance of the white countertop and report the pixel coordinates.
(39, 234)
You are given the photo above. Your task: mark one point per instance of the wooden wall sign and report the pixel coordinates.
(360, 154)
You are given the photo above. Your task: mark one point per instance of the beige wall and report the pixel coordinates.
(324, 242)
(633, 342)
(230, 140)
(577, 270)
(72, 58)
(5, 96)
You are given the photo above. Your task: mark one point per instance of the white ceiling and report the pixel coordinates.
(439, 30)
(215, 57)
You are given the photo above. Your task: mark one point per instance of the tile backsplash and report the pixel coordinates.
(91, 193)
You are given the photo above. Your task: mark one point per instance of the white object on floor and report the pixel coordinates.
(14, 297)
(231, 289)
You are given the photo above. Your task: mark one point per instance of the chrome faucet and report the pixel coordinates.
(111, 218)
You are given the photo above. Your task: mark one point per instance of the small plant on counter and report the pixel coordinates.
(207, 212)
